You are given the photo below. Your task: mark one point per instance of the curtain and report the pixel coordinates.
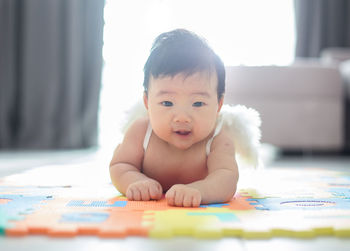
(321, 24)
(50, 73)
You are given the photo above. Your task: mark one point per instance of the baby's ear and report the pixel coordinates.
(145, 100)
(221, 102)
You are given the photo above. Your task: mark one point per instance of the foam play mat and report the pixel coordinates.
(295, 203)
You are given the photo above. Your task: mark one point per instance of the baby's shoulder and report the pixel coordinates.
(137, 129)
(140, 122)
(241, 125)
(224, 141)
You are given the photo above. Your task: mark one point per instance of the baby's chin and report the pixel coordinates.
(181, 142)
(184, 145)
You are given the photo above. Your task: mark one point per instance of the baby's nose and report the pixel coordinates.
(182, 116)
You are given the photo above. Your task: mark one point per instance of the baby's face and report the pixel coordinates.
(183, 109)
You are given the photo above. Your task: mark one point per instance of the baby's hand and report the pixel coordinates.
(183, 196)
(144, 190)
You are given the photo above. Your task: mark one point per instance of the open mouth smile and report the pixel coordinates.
(183, 132)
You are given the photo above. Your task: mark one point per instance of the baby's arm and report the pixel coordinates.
(126, 164)
(220, 184)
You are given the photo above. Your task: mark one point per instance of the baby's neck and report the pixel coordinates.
(179, 151)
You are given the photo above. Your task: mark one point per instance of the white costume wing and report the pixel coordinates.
(135, 112)
(245, 124)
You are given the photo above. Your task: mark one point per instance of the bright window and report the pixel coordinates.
(249, 32)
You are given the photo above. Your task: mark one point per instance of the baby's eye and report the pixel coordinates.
(167, 103)
(198, 104)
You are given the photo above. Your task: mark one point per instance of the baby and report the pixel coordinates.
(182, 147)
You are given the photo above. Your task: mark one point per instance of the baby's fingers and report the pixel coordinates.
(183, 196)
(175, 197)
(196, 200)
(155, 192)
(129, 194)
(170, 197)
(144, 193)
(133, 193)
(179, 198)
(187, 202)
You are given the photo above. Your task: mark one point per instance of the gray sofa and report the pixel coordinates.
(301, 105)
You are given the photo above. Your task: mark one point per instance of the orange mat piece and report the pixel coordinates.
(56, 218)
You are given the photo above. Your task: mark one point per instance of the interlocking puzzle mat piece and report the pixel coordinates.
(340, 192)
(267, 224)
(239, 202)
(300, 203)
(299, 192)
(73, 223)
(14, 207)
(121, 203)
(67, 217)
(282, 183)
(205, 223)
(221, 222)
(330, 222)
(3, 221)
(3, 216)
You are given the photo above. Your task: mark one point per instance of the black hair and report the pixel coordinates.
(182, 51)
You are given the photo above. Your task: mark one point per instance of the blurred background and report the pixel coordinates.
(70, 70)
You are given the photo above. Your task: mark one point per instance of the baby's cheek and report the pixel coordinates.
(161, 131)
(205, 129)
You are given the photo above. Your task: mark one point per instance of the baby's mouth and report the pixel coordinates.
(183, 132)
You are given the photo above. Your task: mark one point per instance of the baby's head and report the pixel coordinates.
(182, 51)
(184, 85)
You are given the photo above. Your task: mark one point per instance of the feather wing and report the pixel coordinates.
(245, 125)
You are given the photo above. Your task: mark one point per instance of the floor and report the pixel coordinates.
(12, 163)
